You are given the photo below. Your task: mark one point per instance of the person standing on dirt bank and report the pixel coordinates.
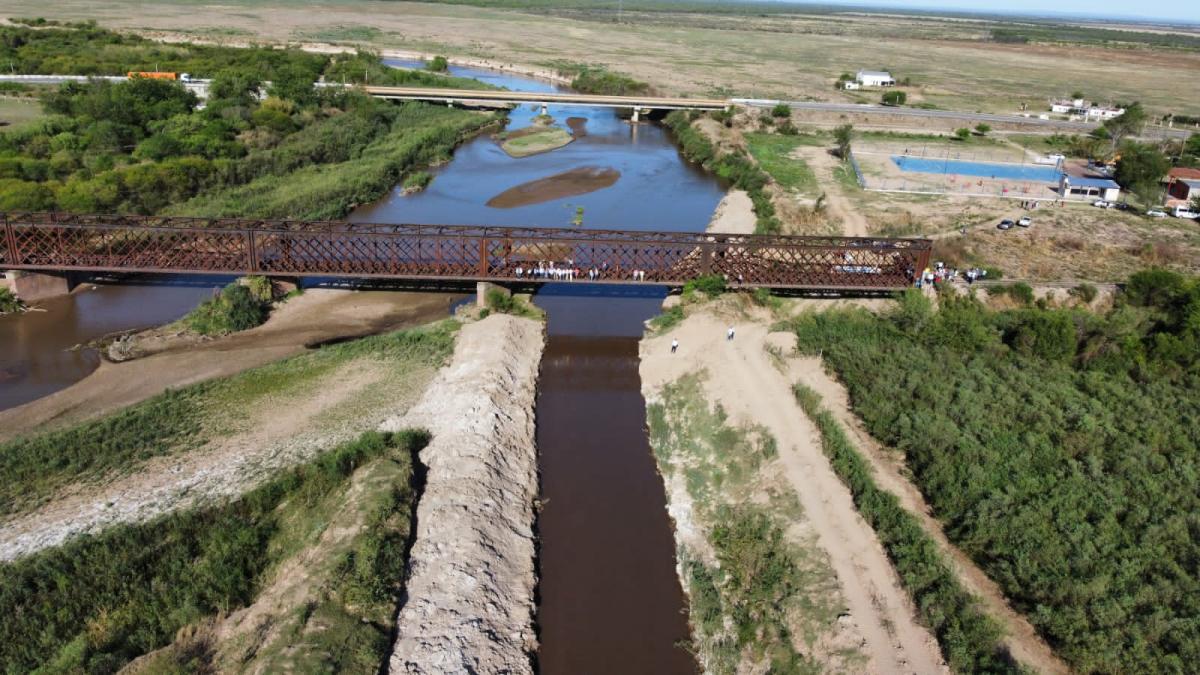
(729, 333)
(674, 345)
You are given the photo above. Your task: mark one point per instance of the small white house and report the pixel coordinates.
(875, 78)
(1084, 110)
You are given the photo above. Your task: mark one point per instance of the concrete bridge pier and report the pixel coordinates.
(544, 110)
(35, 286)
(482, 288)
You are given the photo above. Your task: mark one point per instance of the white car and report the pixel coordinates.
(1155, 213)
(1025, 221)
(1101, 204)
(1185, 212)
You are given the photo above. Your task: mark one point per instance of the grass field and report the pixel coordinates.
(17, 113)
(952, 64)
(773, 153)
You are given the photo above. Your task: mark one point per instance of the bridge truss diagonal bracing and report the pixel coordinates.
(113, 243)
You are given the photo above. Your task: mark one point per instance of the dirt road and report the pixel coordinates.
(317, 316)
(743, 378)
(854, 224)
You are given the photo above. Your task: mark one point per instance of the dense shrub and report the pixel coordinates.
(99, 601)
(969, 640)
(737, 168)
(591, 80)
(234, 309)
(711, 285)
(8, 302)
(1060, 449)
(781, 110)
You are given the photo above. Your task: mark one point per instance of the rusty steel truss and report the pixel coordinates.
(111, 243)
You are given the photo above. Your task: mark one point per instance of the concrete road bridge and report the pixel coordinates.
(57, 243)
(638, 104)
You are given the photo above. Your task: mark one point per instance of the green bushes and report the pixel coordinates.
(1058, 447)
(419, 134)
(1085, 292)
(969, 639)
(417, 180)
(781, 110)
(711, 285)
(97, 602)
(738, 169)
(234, 309)
(8, 302)
(592, 80)
(895, 98)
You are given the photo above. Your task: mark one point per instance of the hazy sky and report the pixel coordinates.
(1171, 10)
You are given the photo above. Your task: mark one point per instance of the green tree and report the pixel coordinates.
(1141, 166)
(781, 110)
(438, 64)
(894, 97)
(844, 135)
(962, 134)
(1127, 124)
(983, 128)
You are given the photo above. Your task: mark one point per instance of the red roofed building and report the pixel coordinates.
(1183, 183)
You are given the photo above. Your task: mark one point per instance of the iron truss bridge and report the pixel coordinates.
(285, 248)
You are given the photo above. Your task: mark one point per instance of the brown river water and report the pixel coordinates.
(609, 599)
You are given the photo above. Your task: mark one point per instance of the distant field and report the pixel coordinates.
(953, 63)
(17, 113)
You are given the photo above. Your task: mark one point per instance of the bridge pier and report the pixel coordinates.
(35, 286)
(482, 288)
(545, 110)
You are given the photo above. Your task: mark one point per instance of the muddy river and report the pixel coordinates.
(609, 597)
(44, 351)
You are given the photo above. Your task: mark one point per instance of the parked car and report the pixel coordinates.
(1185, 212)
(1025, 221)
(1156, 213)
(1005, 225)
(1102, 204)
(1123, 206)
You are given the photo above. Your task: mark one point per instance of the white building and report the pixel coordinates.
(1089, 188)
(1085, 110)
(875, 78)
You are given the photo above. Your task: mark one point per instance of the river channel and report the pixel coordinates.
(609, 599)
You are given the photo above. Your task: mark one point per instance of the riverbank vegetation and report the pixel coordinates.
(33, 469)
(587, 79)
(146, 144)
(1058, 447)
(753, 588)
(735, 167)
(9, 303)
(773, 152)
(968, 639)
(100, 601)
(231, 310)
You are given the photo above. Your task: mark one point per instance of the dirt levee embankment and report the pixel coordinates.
(470, 602)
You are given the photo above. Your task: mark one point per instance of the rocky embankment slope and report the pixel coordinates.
(469, 603)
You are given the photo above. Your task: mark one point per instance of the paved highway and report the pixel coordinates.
(655, 102)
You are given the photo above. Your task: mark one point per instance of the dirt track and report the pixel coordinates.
(745, 381)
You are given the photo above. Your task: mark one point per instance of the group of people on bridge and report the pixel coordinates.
(569, 271)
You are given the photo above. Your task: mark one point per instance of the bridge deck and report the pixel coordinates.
(110, 243)
(658, 102)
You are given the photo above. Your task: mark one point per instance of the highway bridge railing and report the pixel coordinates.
(123, 243)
